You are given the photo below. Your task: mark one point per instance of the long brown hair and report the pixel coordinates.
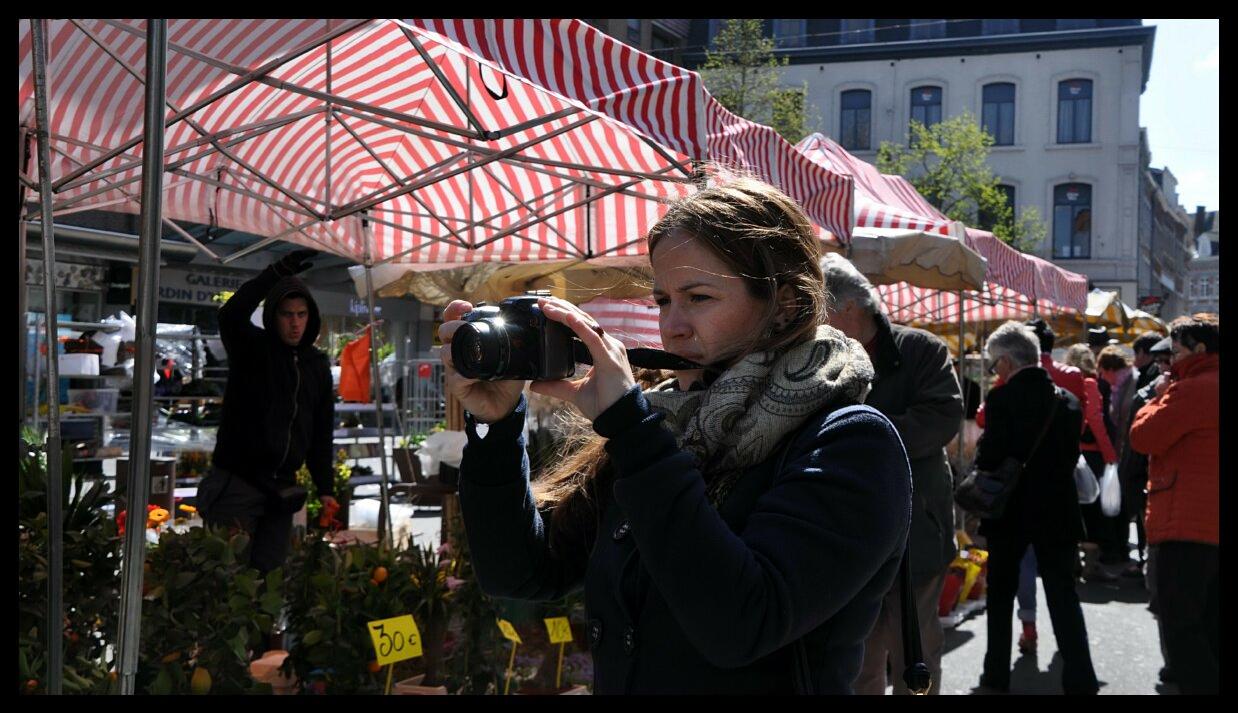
(763, 236)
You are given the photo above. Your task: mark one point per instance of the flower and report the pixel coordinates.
(188, 508)
(444, 550)
(157, 517)
(453, 583)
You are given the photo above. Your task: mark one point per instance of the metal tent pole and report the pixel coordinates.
(55, 479)
(962, 352)
(137, 487)
(23, 161)
(384, 516)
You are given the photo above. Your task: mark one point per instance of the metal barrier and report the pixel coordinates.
(425, 402)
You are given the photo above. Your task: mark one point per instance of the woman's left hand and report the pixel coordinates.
(608, 379)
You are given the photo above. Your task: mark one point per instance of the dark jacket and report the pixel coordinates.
(917, 390)
(279, 406)
(1133, 465)
(686, 598)
(1045, 503)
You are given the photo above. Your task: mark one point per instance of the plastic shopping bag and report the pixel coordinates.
(1110, 491)
(1085, 482)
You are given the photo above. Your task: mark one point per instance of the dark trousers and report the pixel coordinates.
(1111, 533)
(228, 500)
(1055, 561)
(1188, 601)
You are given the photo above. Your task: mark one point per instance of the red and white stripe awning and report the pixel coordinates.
(454, 159)
(924, 307)
(665, 102)
(632, 321)
(881, 201)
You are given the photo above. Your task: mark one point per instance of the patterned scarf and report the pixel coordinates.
(738, 421)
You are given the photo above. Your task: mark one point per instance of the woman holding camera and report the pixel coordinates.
(734, 528)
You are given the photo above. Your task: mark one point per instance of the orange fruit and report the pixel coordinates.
(379, 574)
(374, 666)
(200, 683)
(31, 685)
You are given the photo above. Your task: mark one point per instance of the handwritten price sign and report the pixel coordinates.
(395, 639)
(509, 631)
(559, 629)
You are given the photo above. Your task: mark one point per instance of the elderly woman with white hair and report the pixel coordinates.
(1043, 510)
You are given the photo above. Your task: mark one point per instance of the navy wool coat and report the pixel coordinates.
(773, 592)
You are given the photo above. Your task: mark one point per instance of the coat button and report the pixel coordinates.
(622, 531)
(629, 640)
(595, 631)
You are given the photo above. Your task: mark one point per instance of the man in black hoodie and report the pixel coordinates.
(279, 410)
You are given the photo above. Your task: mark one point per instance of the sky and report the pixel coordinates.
(1181, 107)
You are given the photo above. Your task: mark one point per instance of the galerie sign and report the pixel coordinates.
(195, 286)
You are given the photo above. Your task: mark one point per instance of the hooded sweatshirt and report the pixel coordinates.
(279, 407)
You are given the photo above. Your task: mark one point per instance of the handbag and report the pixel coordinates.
(986, 492)
(1085, 482)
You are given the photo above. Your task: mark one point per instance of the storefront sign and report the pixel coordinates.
(195, 286)
(68, 275)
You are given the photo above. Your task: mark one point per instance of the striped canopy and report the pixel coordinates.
(881, 201)
(295, 129)
(665, 102)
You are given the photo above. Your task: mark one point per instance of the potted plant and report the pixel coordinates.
(313, 506)
(432, 574)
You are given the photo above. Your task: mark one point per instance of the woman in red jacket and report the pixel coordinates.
(1179, 431)
(1098, 451)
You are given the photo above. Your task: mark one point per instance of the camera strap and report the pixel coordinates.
(643, 357)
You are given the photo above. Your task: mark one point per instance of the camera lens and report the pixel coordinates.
(477, 351)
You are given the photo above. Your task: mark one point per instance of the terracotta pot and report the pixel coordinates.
(576, 690)
(412, 687)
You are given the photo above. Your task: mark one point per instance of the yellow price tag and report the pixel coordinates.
(395, 639)
(509, 631)
(559, 629)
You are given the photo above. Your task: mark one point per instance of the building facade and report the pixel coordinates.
(1205, 268)
(1061, 98)
(1165, 247)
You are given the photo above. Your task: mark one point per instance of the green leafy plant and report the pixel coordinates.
(743, 73)
(333, 593)
(343, 472)
(204, 610)
(91, 553)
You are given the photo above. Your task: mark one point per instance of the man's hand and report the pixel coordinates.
(1161, 385)
(294, 262)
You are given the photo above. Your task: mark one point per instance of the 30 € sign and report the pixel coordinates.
(395, 639)
(560, 630)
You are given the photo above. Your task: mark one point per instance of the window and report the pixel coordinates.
(997, 115)
(662, 46)
(988, 220)
(854, 32)
(715, 26)
(926, 29)
(856, 119)
(926, 105)
(1072, 221)
(634, 32)
(790, 33)
(999, 27)
(1074, 111)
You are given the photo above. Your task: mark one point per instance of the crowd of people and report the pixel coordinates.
(780, 517)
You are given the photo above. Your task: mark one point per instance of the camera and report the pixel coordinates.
(513, 340)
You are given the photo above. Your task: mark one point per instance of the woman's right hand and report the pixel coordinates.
(488, 401)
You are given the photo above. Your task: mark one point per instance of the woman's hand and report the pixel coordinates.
(488, 401)
(609, 378)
